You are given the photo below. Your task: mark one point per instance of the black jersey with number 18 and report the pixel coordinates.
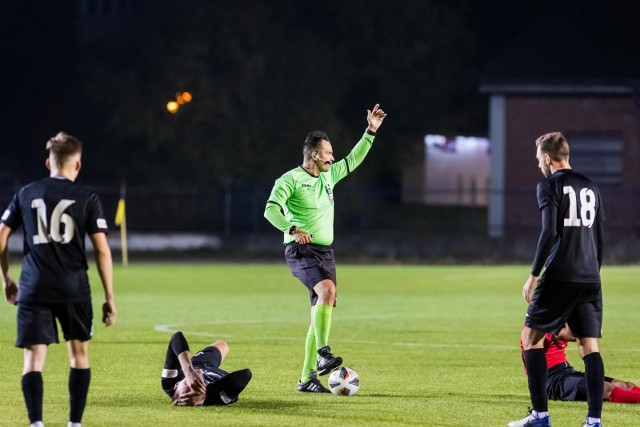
(56, 215)
(577, 248)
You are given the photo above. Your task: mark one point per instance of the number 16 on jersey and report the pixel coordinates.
(47, 233)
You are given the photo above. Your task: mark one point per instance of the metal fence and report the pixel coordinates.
(236, 207)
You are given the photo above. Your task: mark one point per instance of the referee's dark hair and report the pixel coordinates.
(62, 146)
(312, 142)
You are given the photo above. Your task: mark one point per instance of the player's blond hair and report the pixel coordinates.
(63, 146)
(555, 145)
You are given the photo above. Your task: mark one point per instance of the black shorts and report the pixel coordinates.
(37, 322)
(556, 303)
(223, 388)
(567, 384)
(311, 264)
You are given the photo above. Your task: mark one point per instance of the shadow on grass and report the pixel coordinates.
(399, 396)
(271, 404)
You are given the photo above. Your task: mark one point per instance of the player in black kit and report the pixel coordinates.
(198, 380)
(570, 250)
(56, 215)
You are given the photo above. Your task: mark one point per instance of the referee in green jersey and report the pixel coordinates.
(301, 206)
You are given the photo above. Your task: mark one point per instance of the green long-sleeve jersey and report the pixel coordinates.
(301, 199)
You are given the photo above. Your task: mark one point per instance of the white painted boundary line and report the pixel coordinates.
(174, 327)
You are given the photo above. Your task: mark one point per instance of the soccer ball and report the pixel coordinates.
(344, 381)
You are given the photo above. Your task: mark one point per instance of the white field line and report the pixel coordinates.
(174, 327)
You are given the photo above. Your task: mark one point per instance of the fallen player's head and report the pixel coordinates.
(225, 391)
(183, 395)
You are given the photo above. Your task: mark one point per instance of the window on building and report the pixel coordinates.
(597, 156)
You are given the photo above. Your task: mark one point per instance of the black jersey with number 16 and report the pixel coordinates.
(577, 250)
(56, 215)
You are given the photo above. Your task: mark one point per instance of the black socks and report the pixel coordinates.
(32, 389)
(79, 380)
(536, 364)
(594, 378)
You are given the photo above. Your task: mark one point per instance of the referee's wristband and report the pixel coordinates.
(370, 132)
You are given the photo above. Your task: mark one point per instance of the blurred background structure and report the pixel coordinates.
(199, 106)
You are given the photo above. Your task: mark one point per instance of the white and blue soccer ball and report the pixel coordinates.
(344, 381)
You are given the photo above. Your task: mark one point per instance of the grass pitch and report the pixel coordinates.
(433, 345)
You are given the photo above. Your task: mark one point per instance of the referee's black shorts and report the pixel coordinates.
(555, 303)
(311, 264)
(37, 322)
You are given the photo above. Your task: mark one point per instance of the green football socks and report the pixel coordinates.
(310, 355)
(317, 337)
(322, 323)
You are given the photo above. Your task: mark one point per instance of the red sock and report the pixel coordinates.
(619, 395)
(636, 389)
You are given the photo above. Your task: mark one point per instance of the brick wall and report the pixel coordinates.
(531, 116)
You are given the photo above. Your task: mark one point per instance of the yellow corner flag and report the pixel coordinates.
(121, 220)
(120, 215)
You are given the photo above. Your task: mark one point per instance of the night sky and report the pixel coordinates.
(264, 73)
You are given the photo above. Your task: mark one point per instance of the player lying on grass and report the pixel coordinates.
(567, 384)
(198, 380)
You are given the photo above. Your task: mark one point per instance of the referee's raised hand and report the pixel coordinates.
(375, 117)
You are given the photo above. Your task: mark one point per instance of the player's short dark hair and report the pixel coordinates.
(312, 142)
(63, 146)
(555, 145)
